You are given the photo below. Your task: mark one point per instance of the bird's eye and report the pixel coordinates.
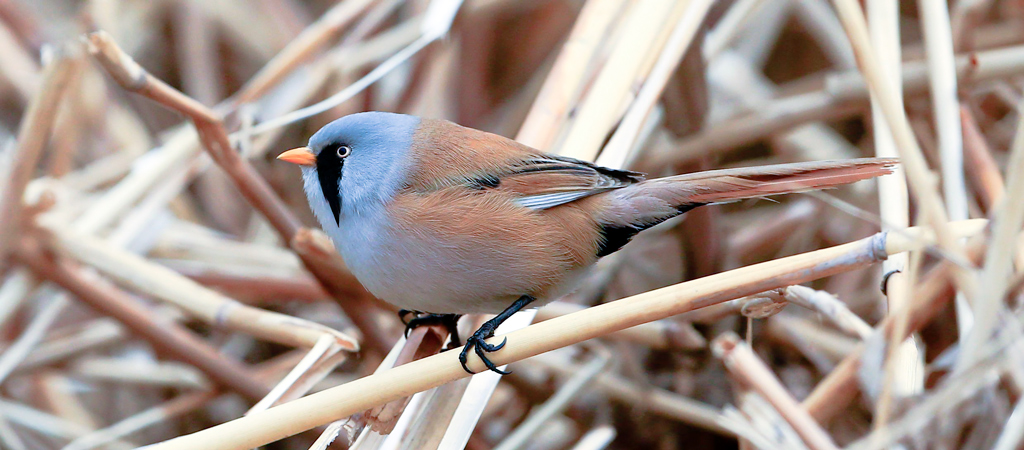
(344, 151)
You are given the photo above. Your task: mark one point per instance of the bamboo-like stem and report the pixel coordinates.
(905, 374)
(726, 30)
(566, 78)
(1007, 219)
(616, 151)
(19, 66)
(260, 289)
(205, 304)
(173, 408)
(161, 374)
(435, 25)
(741, 361)
(49, 425)
(597, 112)
(327, 406)
(164, 161)
(29, 339)
(172, 339)
(57, 392)
(9, 437)
(966, 16)
(596, 439)
(840, 386)
(422, 342)
(843, 96)
(519, 437)
(822, 23)
(664, 403)
(14, 289)
(942, 76)
(33, 133)
(953, 392)
(211, 131)
(830, 307)
(813, 339)
(323, 357)
(96, 334)
(981, 167)
(312, 39)
(921, 180)
(178, 406)
(662, 334)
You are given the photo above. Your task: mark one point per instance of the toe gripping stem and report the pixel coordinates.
(478, 340)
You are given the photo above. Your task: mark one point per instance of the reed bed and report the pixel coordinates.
(162, 281)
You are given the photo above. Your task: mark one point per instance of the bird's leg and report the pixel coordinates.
(450, 322)
(476, 341)
(403, 313)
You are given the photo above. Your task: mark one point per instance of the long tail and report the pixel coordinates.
(637, 207)
(716, 186)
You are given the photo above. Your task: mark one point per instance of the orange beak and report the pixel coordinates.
(301, 156)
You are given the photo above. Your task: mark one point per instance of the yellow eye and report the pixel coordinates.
(344, 151)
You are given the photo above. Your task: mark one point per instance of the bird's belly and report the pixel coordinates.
(425, 275)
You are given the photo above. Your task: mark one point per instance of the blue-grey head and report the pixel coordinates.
(354, 164)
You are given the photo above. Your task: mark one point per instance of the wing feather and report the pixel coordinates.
(447, 155)
(546, 181)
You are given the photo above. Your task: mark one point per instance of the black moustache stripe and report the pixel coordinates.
(328, 170)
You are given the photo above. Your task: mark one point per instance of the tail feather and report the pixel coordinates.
(736, 184)
(640, 206)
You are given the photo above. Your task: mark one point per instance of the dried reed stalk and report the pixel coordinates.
(982, 170)
(752, 372)
(202, 303)
(905, 371)
(922, 182)
(840, 386)
(597, 111)
(171, 339)
(993, 282)
(32, 137)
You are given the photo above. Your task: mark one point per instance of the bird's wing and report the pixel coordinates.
(445, 155)
(544, 181)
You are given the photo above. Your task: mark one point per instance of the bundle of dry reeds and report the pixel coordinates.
(162, 279)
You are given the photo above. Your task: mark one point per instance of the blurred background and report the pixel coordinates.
(152, 286)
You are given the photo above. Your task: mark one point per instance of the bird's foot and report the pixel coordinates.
(419, 319)
(479, 345)
(477, 340)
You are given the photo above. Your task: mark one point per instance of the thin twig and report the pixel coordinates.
(745, 365)
(176, 341)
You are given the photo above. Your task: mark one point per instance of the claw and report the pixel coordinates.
(487, 362)
(450, 322)
(487, 330)
(481, 348)
(492, 347)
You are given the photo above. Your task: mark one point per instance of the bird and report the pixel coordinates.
(443, 220)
